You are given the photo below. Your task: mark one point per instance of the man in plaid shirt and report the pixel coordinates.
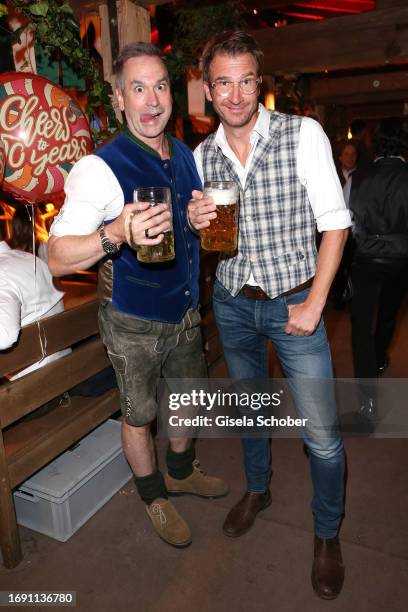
(275, 286)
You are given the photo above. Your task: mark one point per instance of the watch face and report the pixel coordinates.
(109, 247)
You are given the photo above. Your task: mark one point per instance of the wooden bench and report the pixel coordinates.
(26, 445)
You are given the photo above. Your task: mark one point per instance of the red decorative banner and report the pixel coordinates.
(43, 131)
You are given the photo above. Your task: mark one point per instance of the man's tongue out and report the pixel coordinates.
(149, 118)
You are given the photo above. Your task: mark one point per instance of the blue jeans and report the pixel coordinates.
(245, 326)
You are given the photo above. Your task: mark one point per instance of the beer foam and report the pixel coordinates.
(222, 197)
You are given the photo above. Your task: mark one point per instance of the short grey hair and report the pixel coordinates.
(135, 49)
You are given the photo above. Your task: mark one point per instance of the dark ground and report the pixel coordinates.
(116, 562)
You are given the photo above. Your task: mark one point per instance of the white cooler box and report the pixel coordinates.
(61, 497)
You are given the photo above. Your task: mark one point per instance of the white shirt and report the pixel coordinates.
(315, 168)
(347, 173)
(92, 195)
(25, 296)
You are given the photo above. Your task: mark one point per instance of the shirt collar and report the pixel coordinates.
(261, 127)
(125, 130)
(4, 247)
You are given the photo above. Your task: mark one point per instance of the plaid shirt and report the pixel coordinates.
(277, 228)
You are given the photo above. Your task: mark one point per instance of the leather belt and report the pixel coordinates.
(256, 293)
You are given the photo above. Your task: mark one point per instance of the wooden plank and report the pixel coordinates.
(392, 85)
(9, 536)
(24, 395)
(387, 4)
(30, 447)
(374, 38)
(57, 332)
(134, 23)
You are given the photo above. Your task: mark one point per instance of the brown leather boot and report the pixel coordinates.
(328, 568)
(242, 516)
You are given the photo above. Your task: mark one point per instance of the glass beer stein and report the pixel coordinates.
(165, 250)
(222, 233)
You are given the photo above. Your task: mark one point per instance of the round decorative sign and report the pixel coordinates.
(43, 131)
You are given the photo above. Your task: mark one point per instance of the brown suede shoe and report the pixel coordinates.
(169, 525)
(242, 516)
(328, 568)
(198, 483)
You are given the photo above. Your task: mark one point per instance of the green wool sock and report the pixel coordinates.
(180, 465)
(151, 487)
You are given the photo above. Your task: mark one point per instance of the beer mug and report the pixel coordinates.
(165, 250)
(222, 233)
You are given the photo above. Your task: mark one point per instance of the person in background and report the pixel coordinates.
(347, 161)
(27, 290)
(361, 136)
(379, 203)
(346, 167)
(275, 286)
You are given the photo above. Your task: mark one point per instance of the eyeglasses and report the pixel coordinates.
(247, 86)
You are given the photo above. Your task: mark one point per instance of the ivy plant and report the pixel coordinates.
(57, 31)
(196, 22)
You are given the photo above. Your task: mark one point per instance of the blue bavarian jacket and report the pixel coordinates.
(159, 291)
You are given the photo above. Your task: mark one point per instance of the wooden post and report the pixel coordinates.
(113, 27)
(9, 537)
(133, 25)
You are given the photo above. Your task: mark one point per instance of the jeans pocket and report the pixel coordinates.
(295, 298)
(220, 293)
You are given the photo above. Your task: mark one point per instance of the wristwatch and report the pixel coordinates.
(110, 248)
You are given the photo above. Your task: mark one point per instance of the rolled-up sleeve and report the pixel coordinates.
(317, 172)
(93, 195)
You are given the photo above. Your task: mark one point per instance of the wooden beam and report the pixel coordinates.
(365, 87)
(387, 4)
(9, 538)
(375, 111)
(113, 28)
(375, 38)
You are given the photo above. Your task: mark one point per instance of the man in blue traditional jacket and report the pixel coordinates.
(148, 317)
